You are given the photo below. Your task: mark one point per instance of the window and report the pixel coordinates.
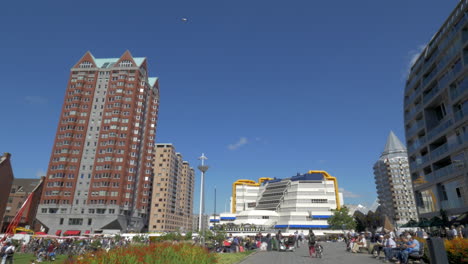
(61, 221)
(75, 221)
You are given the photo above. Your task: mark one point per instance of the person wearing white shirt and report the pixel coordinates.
(454, 232)
(9, 251)
(361, 242)
(389, 246)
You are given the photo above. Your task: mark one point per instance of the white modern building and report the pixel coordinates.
(301, 202)
(246, 197)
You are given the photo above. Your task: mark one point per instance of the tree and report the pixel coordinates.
(444, 217)
(361, 221)
(342, 220)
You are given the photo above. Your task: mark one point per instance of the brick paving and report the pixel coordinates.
(334, 253)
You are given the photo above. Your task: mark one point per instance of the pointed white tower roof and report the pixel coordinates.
(393, 146)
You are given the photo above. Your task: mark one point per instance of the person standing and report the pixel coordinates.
(279, 238)
(464, 231)
(312, 241)
(454, 232)
(268, 241)
(302, 237)
(296, 239)
(9, 253)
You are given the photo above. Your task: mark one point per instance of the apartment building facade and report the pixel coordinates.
(6, 178)
(435, 114)
(99, 176)
(173, 187)
(393, 182)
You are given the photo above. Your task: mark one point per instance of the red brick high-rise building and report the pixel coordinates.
(99, 177)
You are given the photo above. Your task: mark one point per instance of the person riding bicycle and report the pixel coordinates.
(312, 242)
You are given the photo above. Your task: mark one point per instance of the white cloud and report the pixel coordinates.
(321, 161)
(413, 55)
(40, 173)
(348, 194)
(242, 141)
(34, 99)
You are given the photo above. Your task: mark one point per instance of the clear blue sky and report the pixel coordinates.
(290, 85)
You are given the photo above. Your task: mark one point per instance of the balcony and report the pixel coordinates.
(439, 151)
(459, 115)
(413, 82)
(417, 143)
(416, 93)
(427, 97)
(428, 63)
(425, 159)
(415, 128)
(440, 173)
(461, 89)
(450, 204)
(439, 128)
(428, 79)
(413, 112)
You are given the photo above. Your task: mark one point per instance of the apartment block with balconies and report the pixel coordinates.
(173, 187)
(393, 182)
(436, 123)
(100, 171)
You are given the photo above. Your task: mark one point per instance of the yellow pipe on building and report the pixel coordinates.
(248, 183)
(335, 181)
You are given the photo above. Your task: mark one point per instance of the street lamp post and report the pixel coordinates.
(203, 168)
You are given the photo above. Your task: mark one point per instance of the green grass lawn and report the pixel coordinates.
(231, 258)
(26, 259)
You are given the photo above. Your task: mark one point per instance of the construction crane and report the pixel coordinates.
(13, 226)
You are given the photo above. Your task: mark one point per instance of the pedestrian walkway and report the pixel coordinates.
(334, 253)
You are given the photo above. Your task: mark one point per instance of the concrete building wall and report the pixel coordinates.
(6, 178)
(436, 119)
(246, 197)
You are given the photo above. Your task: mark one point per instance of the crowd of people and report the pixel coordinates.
(270, 242)
(398, 245)
(46, 249)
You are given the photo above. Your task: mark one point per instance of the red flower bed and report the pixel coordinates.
(152, 254)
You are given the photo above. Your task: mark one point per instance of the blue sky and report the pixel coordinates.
(263, 88)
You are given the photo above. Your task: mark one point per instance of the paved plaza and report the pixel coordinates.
(334, 253)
